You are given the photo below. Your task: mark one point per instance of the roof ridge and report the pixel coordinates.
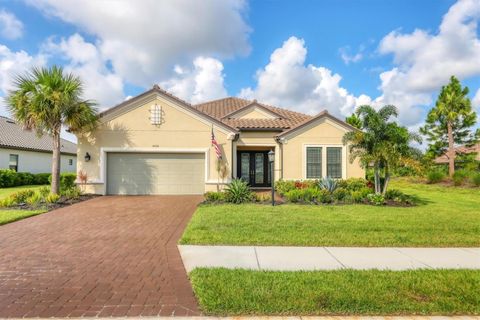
(220, 99)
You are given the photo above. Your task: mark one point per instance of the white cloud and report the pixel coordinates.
(10, 26)
(476, 100)
(348, 57)
(201, 83)
(143, 42)
(425, 61)
(286, 81)
(13, 64)
(86, 61)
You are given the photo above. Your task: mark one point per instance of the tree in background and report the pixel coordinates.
(380, 143)
(450, 123)
(44, 100)
(354, 121)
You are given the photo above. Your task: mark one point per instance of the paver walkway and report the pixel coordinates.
(110, 256)
(327, 258)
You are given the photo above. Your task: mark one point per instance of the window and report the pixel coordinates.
(70, 162)
(334, 162)
(13, 164)
(314, 162)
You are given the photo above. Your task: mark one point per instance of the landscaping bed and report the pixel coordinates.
(223, 292)
(447, 217)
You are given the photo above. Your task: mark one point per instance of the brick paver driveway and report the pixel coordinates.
(110, 256)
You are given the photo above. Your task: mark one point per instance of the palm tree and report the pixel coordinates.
(381, 143)
(44, 100)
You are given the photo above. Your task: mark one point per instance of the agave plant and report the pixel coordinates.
(238, 191)
(328, 184)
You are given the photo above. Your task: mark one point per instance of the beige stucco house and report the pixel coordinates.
(156, 143)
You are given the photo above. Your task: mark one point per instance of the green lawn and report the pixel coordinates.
(449, 218)
(5, 192)
(346, 292)
(7, 215)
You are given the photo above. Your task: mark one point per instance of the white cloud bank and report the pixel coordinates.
(286, 81)
(144, 41)
(423, 62)
(10, 27)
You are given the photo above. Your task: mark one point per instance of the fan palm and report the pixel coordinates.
(44, 100)
(380, 142)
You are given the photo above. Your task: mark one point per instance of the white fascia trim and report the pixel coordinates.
(104, 151)
(172, 103)
(314, 124)
(324, 147)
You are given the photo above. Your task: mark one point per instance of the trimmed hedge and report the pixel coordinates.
(10, 178)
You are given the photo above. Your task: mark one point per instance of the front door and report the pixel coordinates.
(252, 166)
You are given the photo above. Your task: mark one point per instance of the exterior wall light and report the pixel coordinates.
(87, 157)
(271, 159)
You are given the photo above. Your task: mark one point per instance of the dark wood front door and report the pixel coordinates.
(252, 166)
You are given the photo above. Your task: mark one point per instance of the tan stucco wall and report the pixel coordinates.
(179, 130)
(36, 162)
(323, 133)
(253, 113)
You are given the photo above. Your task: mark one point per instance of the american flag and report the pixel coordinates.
(216, 146)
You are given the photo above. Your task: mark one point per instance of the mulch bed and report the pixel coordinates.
(62, 202)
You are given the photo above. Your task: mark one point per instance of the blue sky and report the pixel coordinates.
(303, 55)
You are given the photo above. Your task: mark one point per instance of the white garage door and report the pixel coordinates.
(155, 173)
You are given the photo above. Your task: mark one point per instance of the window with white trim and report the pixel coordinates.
(334, 162)
(70, 162)
(314, 163)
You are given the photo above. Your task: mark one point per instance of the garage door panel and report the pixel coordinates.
(155, 173)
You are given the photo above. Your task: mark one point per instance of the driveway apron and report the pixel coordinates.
(110, 256)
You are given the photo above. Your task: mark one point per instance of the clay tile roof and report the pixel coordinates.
(460, 150)
(14, 136)
(220, 108)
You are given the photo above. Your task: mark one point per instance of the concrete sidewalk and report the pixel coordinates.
(328, 258)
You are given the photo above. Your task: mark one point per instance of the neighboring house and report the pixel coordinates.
(156, 143)
(21, 150)
(443, 159)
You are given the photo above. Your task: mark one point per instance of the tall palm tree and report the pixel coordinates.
(44, 100)
(380, 142)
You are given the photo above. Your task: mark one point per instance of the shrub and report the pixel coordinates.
(435, 176)
(67, 180)
(213, 196)
(476, 179)
(328, 184)
(324, 196)
(44, 191)
(294, 195)
(8, 202)
(24, 178)
(262, 197)
(360, 195)
(353, 184)
(7, 178)
(376, 199)
(391, 194)
(340, 194)
(284, 186)
(41, 178)
(238, 191)
(22, 195)
(460, 177)
(72, 193)
(52, 198)
(36, 198)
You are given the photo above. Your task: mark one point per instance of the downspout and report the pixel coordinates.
(235, 138)
(280, 149)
